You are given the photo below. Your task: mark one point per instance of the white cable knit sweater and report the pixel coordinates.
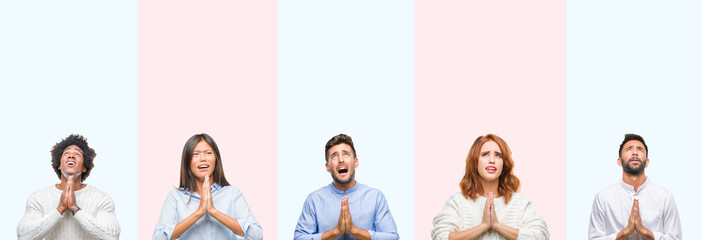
(461, 214)
(95, 220)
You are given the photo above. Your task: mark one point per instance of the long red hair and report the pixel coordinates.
(508, 183)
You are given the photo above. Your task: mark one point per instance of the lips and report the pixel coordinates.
(70, 164)
(342, 170)
(203, 167)
(491, 169)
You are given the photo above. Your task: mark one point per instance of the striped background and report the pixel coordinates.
(413, 82)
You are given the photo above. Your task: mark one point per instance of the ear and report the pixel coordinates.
(326, 166)
(619, 161)
(355, 164)
(647, 162)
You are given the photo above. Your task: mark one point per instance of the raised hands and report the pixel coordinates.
(635, 224)
(489, 217)
(68, 196)
(205, 197)
(345, 224)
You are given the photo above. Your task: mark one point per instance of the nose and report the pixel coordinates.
(492, 159)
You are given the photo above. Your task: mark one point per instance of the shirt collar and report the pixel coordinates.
(630, 189)
(342, 192)
(213, 188)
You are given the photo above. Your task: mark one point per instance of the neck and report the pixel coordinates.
(77, 185)
(344, 187)
(198, 185)
(490, 187)
(634, 180)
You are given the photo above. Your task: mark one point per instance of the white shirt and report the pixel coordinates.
(461, 213)
(95, 220)
(612, 207)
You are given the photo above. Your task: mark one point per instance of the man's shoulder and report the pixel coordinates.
(322, 191)
(44, 191)
(610, 189)
(96, 192)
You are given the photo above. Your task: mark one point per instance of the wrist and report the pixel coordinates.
(61, 209)
(336, 232)
(75, 209)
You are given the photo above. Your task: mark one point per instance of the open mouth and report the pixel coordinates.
(70, 164)
(343, 170)
(491, 169)
(203, 167)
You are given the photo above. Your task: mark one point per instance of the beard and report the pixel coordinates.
(634, 170)
(352, 176)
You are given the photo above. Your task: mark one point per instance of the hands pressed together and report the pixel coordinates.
(635, 224)
(68, 197)
(206, 205)
(345, 225)
(489, 217)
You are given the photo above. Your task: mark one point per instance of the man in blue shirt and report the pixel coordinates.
(345, 209)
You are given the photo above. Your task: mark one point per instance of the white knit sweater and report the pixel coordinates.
(95, 220)
(460, 214)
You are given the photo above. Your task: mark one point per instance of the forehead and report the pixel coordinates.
(490, 146)
(635, 143)
(339, 148)
(73, 148)
(202, 145)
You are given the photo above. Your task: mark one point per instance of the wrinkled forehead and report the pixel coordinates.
(339, 148)
(72, 148)
(634, 143)
(490, 146)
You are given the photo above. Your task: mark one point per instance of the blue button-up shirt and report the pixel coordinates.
(227, 199)
(369, 211)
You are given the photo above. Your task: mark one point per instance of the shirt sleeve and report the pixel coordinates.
(598, 226)
(306, 228)
(103, 224)
(35, 224)
(446, 221)
(532, 225)
(167, 221)
(671, 221)
(246, 219)
(384, 225)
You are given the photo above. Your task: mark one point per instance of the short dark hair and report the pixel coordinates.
(82, 143)
(336, 140)
(630, 137)
(187, 178)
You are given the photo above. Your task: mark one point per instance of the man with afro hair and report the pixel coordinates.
(70, 209)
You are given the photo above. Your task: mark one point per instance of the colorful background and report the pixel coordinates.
(414, 83)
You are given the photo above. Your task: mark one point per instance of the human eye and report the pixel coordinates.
(196, 153)
(499, 155)
(65, 153)
(485, 154)
(78, 154)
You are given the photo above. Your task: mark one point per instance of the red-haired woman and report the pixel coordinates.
(488, 206)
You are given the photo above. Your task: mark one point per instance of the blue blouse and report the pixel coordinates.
(227, 199)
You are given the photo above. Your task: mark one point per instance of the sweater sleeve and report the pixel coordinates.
(36, 223)
(103, 224)
(447, 221)
(532, 225)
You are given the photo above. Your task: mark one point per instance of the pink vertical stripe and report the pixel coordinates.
(208, 67)
(490, 67)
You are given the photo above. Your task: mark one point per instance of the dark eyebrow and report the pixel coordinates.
(79, 150)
